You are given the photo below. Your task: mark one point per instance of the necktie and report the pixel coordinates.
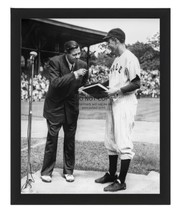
(72, 68)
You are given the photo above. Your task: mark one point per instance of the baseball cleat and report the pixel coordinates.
(116, 186)
(106, 178)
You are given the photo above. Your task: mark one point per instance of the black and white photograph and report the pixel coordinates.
(90, 104)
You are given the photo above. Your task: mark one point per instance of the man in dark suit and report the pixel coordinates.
(61, 108)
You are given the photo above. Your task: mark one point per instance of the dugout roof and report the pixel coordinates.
(46, 35)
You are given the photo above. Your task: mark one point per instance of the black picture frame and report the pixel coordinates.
(91, 199)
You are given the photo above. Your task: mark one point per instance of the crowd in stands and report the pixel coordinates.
(150, 83)
(97, 74)
(40, 87)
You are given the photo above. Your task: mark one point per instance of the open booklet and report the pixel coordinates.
(96, 90)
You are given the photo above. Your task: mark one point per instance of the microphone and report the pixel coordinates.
(33, 54)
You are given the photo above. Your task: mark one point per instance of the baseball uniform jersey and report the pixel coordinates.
(121, 108)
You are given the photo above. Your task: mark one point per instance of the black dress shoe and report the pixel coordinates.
(116, 186)
(106, 178)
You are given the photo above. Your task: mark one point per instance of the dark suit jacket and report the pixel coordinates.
(62, 99)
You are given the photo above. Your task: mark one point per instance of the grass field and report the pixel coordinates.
(93, 155)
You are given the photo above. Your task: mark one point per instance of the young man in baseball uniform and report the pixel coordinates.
(124, 79)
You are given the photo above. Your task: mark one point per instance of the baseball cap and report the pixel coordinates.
(116, 33)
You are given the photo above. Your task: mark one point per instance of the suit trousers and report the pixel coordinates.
(51, 147)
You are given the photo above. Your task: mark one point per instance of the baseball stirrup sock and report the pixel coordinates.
(124, 169)
(113, 164)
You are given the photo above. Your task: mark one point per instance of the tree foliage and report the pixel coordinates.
(148, 57)
(102, 58)
(147, 53)
(155, 41)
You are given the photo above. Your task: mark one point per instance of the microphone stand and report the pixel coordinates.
(27, 187)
